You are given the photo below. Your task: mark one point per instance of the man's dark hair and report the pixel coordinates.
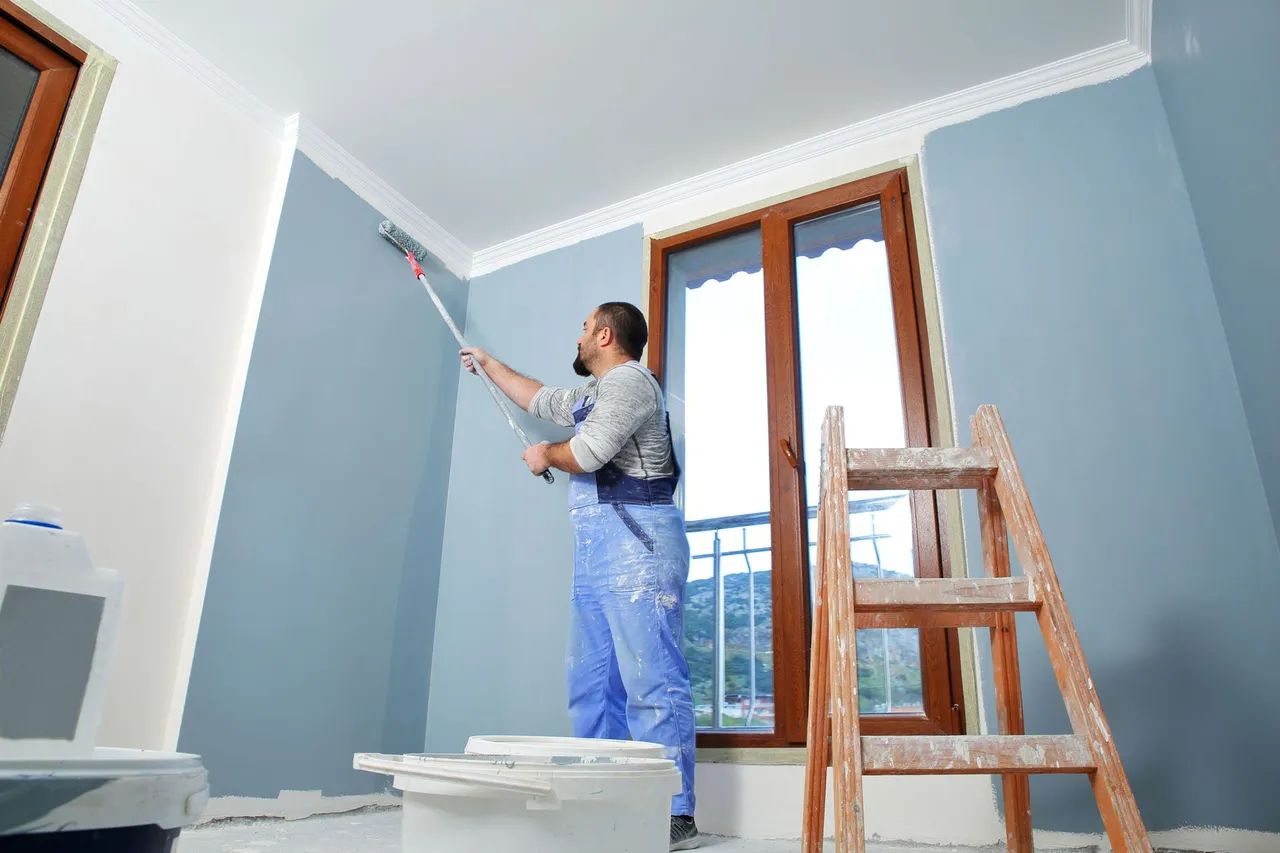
(628, 325)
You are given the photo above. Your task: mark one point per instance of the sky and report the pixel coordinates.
(848, 357)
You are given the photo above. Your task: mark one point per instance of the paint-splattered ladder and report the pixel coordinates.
(843, 605)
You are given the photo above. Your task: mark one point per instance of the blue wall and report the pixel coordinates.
(315, 641)
(507, 560)
(1218, 72)
(1076, 297)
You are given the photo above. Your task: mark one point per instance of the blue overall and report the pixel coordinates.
(626, 669)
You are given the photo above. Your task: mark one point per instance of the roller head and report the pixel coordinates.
(400, 238)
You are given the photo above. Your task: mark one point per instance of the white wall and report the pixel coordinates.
(767, 801)
(121, 413)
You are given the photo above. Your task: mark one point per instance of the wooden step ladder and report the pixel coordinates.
(843, 605)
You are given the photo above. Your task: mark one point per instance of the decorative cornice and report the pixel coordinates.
(167, 43)
(1093, 66)
(364, 182)
(1138, 24)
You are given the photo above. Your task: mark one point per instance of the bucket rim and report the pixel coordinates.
(599, 744)
(519, 762)
(535, 777)
(105, 762)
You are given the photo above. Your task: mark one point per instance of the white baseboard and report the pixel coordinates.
(1188, 839)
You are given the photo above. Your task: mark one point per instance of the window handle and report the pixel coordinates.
(789, 452)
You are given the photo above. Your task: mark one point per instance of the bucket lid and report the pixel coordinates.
(105, 763)
(537, 745)
(545, 778)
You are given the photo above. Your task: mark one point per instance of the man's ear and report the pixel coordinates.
(605, 335)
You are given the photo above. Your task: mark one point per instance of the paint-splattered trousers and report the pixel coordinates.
(626, 669)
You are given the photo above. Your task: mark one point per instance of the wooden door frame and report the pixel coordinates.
(940, 654)
(56, 193)
(57, 63)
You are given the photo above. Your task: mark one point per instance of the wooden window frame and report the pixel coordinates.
(940, 649)
(58, 62)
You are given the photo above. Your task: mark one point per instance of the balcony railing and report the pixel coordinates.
(754, 710)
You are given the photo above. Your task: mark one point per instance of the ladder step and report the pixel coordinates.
(921, 755)
(926, 619)
(919, 468)
(944, 595)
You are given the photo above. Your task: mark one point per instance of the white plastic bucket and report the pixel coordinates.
(119, 799)
(527, 745)
(531, 803)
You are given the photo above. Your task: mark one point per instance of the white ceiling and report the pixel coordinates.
(498, 117)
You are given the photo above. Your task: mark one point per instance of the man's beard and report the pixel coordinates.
(579, 366)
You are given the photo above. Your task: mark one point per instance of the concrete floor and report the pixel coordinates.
(379, 832)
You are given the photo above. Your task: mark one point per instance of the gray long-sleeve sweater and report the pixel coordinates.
(627, 424)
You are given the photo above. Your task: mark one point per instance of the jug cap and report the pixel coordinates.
(37, 515)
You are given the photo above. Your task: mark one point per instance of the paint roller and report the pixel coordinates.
(413, 252)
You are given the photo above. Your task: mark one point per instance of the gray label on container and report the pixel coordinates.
(47, 642)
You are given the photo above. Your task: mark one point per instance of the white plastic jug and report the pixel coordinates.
(59, 616)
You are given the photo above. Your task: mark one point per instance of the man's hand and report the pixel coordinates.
(519, 389)
(542, 456)
(471, 356)
(537, 459)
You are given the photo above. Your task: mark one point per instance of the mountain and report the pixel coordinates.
(903, 647)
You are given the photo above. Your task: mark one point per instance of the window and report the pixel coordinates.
(37, 73)
(757, 324)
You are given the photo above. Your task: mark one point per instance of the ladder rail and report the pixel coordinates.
(1111, 789)
(819, 723)
(846, 740)
(1014, 789)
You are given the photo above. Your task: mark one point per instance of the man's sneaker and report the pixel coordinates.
(684, 832)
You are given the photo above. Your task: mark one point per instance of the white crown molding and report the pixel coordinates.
(1093, 66)
(168, 44)
(339, 163)
(1138, 24)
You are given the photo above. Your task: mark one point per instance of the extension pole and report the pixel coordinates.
(402, 241)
